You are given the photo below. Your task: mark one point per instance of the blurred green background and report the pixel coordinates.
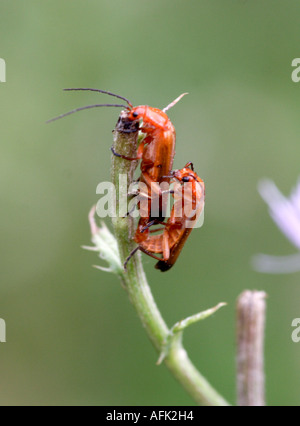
(72, 335)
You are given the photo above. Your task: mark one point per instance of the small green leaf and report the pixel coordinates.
(176, 331)
(106, 245)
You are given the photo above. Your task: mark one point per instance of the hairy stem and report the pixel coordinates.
(251, 309)
(135, 282)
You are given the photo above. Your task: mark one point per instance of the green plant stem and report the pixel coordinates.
(135, 283)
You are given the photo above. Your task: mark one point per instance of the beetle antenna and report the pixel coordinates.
(174, 102)
(85, 107)
(105, 92)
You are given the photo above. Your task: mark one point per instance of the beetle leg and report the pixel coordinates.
(151, 254)
(144, 228)
(153, 222)
(130, 211)
(124, 156)
(130, 256)
(133, 193)
(189, 164)
(168, 191)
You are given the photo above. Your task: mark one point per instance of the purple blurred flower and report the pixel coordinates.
(285, 212)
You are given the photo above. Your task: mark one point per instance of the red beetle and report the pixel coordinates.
(187, 209)
(156, 151)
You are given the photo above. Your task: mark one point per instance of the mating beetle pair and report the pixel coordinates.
(156, 152)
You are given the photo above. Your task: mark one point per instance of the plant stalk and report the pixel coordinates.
(135, 282)
(251, 311)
